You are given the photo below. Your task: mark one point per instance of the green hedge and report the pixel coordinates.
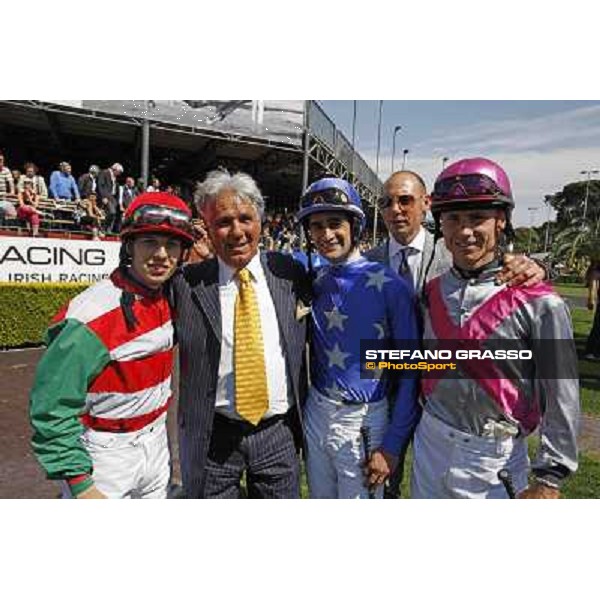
(27, 309)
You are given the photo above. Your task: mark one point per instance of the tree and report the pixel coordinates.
(576, 240)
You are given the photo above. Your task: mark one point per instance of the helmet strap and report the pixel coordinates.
(355, 228)
(124, 254)
(437, 235)
(127, 300)
(309, 245)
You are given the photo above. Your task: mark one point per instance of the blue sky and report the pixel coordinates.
(542, 144)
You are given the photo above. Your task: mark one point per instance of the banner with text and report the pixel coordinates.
(40, 260)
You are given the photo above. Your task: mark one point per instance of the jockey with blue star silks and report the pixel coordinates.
(354, 299)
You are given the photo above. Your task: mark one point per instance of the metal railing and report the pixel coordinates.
(323, 128)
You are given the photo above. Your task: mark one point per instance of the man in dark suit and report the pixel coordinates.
(410, 248)
(241, 342)
(88, 182)
(108, 192)
(127, 194)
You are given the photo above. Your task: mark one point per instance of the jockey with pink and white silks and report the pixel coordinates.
(476, 422)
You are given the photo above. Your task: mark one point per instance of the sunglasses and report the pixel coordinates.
(158, 215)
(387, 201)
(331, 196)
(466, 186)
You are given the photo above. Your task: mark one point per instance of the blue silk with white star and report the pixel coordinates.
(363, 300)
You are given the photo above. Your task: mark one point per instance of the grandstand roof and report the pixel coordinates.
(187, 138)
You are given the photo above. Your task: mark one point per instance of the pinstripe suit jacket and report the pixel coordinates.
(195, 295)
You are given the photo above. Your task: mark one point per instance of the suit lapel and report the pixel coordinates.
(427, 251)
(386, 253)
(207, 295)
(279, 295)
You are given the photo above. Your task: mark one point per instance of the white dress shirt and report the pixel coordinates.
(413, 255)
(277, 382)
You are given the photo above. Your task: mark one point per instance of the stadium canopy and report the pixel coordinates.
(283, 144)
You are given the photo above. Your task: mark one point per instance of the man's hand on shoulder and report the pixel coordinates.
(520, 270)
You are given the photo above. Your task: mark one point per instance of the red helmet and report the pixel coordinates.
(158, 212)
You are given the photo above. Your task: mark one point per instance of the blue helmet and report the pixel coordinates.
(331, 193)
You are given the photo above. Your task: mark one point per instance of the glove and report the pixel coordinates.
(539, 491)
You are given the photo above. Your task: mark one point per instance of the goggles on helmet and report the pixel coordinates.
(159, 215)
(466, 186)
(331, 196)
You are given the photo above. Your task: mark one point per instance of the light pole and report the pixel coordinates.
(532, 210)
(396, 130)
(145, 158)
(589, 173)
(404, 155)
(547, 238)
(377, 170)
(354, 111)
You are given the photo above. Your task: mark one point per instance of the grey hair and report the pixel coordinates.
(241, 184)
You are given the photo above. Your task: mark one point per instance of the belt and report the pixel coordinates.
(245, 427)
(342, 400)
(126, 425)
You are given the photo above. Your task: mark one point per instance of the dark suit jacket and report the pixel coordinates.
(86, 185)
(441, 262)
(195, 297)
(104, 187)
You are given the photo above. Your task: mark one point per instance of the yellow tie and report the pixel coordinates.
(251, 392)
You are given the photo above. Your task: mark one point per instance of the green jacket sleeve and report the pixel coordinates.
(74, 358)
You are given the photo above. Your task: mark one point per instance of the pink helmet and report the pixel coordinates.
(472, 183)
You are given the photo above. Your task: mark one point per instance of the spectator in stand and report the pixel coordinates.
(16, 175)
(7, 211)
(108, 192)
(88, 182)
(37, 181)
(154, 186)
(140, 186)
(92, 215)
(7, 183)
(63, 185)
(28, 208)
(127, 193)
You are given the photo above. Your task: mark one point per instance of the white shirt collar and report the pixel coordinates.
(418, 243)
(227, 273)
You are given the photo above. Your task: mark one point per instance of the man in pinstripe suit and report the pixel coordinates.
(217, 444)
(410, 248)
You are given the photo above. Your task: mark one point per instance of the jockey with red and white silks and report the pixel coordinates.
(476, 425)
(103, 387)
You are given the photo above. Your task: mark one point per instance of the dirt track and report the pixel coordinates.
(22, 477)
(20, 474)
